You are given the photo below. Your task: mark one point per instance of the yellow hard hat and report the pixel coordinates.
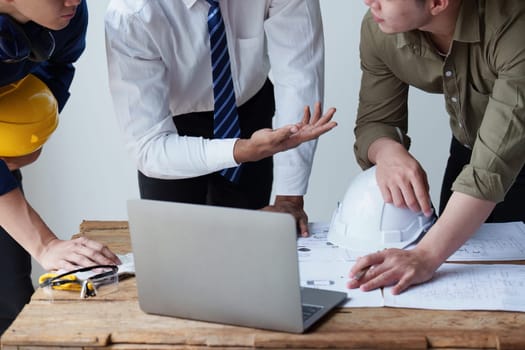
(28, 116)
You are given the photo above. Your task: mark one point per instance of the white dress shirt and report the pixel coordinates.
(160, 66)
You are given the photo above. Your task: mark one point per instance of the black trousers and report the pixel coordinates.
(254, 188)
(511, 209)
(16, 286)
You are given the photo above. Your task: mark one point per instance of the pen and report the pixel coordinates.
(320, 282)
(361, 273)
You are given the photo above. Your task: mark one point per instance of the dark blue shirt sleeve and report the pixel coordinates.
(58, 71)
(7, 180)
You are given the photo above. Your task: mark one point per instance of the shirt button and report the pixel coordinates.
(454, 99)
(448, 73)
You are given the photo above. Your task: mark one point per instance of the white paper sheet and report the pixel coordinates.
(467, 287)
(494, 242)
(326, 266)
(334, 276)
(316, 247)
(455, 286)
(127, 268)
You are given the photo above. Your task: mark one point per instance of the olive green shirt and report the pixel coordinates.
(482, 79)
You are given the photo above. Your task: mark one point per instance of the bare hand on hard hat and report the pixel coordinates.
(14, 163)
(293, 205)
(397, 267)
(78, 252)
(400, 177)
(267, 142)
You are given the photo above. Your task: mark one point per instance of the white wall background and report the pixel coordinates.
(84, 172)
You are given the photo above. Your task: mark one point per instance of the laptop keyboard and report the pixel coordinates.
(309, 311)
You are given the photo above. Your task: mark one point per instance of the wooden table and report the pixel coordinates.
(116, 322)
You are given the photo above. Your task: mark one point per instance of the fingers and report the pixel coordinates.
(267, 142)
(399, 192)
(293, 205)
(415, 196)
(302, 224)
(391, 267)
(96, 252)
(306, 116)
(407, 198)
(327, 117)
(67, 266)
(423, 197)
(405, 186)
(80, 259)
(378, 278)
(300, 217)
(79, 252)
(363, 269)
(313, 131)
(373, 277)
(385, 193)
(317, 113)
(318, 119)
(308, 119)
(402, 285)
(360, 265)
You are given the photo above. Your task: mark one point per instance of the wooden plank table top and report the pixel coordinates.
(115, 321)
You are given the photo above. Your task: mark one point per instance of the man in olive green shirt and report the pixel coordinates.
(473, 52)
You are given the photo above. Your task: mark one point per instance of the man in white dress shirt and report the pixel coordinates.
(161, 82)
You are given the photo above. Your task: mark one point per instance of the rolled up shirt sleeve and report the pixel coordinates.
(498, 154)
(383, 98)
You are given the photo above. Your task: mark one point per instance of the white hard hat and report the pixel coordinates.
(364, 222)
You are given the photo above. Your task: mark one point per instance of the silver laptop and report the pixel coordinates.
(224, 265)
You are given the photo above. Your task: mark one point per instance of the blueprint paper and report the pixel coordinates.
(334, 276)
(494, 242)
(466, 287)
(454, 286)
(323, 265)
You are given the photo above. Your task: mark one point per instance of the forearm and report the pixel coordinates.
(461, 218)
(382, 148)
(21, 221)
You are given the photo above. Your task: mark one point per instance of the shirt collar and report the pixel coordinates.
(467, 24)
(189, 3)
(410, 39)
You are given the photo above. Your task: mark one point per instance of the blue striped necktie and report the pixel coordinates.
(225, 118)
